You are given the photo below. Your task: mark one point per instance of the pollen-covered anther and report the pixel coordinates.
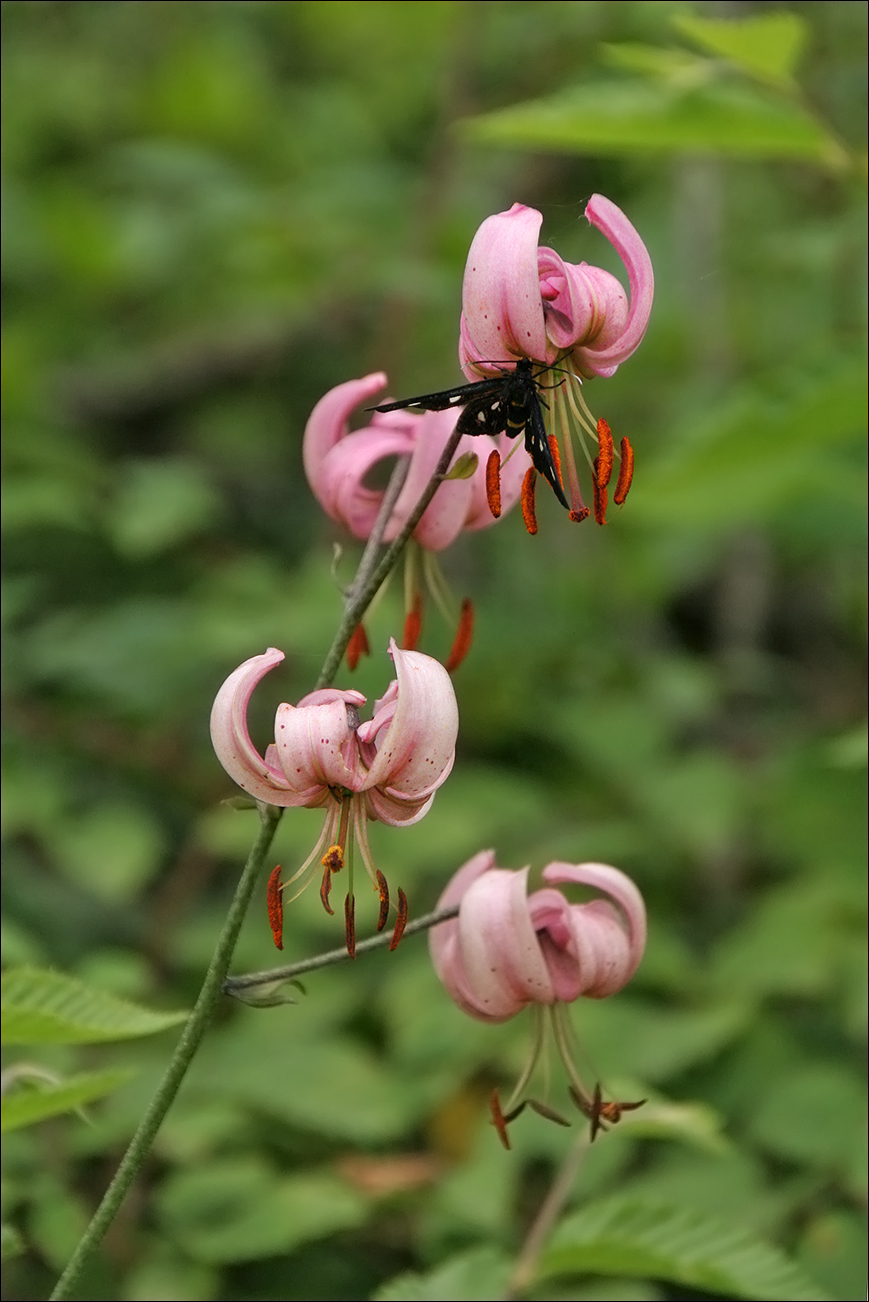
(384, 899)
(275, 904)
(526, 500)
(556, 457)
(600, 495)
(357, 647)
(333, 859)
(626, 473)
(350, 924)
(493, 483)
(400, 921)
(412, 625)
(605, 453)
(464, 636)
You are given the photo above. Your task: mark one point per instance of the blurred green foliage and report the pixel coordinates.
(213, 213)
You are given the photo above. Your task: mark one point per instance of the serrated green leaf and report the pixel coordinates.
(766, 46)
(634, 115)
(626, 1236)
(44, 1007)
(25, 1107)
(239, 1209)
(471, 1277)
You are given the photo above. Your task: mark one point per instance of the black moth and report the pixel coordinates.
(507, 403)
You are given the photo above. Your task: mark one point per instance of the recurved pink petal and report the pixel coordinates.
(612, 222)
(327, 425)
(415, 752)
(343, 493)
(502, 309)
(607, 942)
(259, 777)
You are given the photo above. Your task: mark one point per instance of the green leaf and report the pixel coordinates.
(25, 1107)
(766, 46)
(471, 1277)
(239, 1210)
(634, 115)
(625, 1236)
(44, 1007)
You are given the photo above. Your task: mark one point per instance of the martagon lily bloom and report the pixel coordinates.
(388, 768)
(575, 322)
(507, 950)
(339, 463)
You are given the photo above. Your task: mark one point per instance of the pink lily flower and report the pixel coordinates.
(507, 950)
(387, 769)
(338, 463)
(521, 301)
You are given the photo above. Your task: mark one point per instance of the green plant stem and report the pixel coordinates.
(364, 588)
(541, 1226)
(191, 1036)
(369, 577)
(234, 985)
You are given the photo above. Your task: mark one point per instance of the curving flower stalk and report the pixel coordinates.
(524, 302)
(388, 768)
(339, 464)
(507, 950)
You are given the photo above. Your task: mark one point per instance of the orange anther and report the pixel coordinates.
(412, 625)
(350, 924)
(556, 456)
(275, 904)
(493, 483)
(526, 500)
(325, 888)
(604, 461)
(600, 495)
(357, 646)
(464, 636)
(384, 900)
(401, 920)
(626, 473)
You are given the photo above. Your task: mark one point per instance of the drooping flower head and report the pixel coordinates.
(507, 950)
(524, 302)
(387, 769)
(339, 464)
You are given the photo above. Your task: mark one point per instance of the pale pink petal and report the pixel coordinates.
(343, 493)
(416, 751)
(501, 958)
(607, 944)
(258, 776)
(501, 302)
(444, 517)
(444, 940)
(327, 425)
(317, 745)
(610, 219)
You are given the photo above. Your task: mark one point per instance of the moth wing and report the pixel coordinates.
(460, 396)
(538, 446)
(486, 414)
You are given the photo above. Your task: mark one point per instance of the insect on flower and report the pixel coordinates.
(507, 403)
